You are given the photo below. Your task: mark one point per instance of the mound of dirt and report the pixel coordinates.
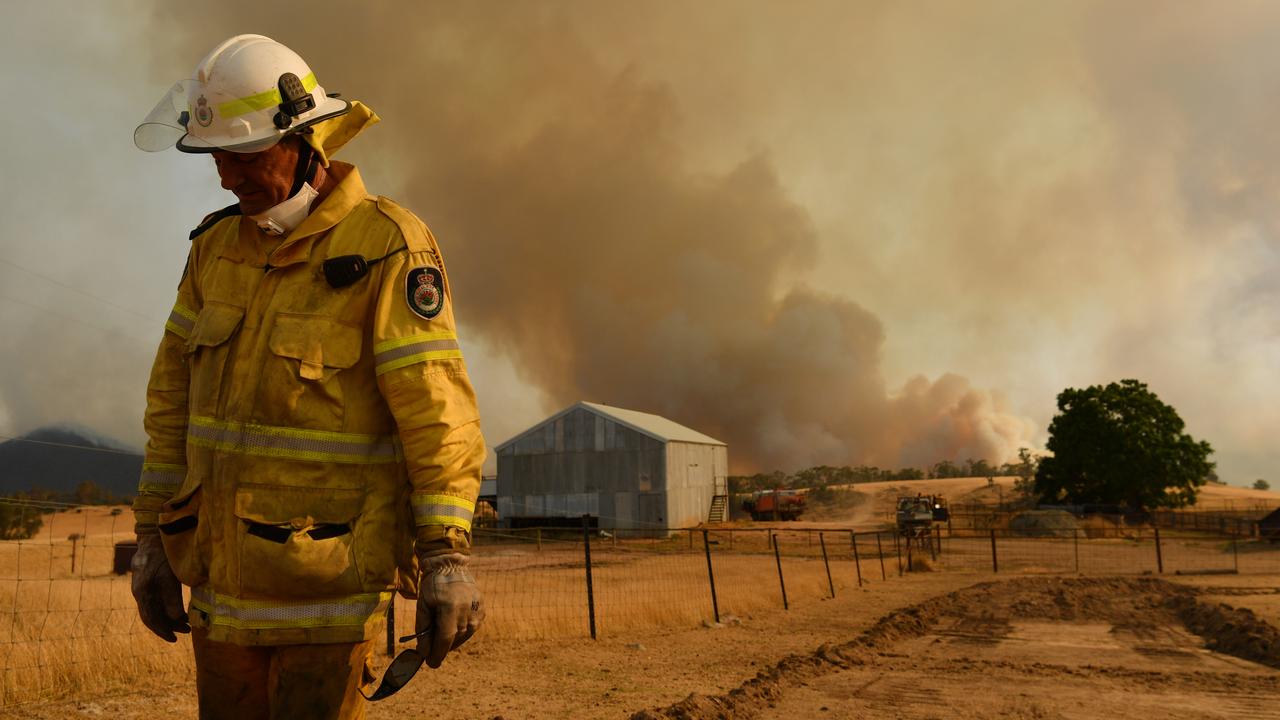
(1044, 523)
(1126, 603)
(1232, 631)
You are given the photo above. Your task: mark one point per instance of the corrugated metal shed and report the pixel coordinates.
(627, 468)
(655, 426)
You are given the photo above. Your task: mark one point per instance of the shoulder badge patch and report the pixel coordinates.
(424, 290)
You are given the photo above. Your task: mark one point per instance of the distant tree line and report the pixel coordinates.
(86, 493)
(826, 476)
(22, 514)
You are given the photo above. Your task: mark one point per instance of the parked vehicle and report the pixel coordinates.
(774, 504)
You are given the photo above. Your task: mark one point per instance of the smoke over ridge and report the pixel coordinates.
(584, 244)
(759, 219)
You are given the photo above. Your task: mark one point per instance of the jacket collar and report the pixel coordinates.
(349, 193)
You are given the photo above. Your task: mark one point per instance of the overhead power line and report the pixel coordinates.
(72, 318)
(75, 289)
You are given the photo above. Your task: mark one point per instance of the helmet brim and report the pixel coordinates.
(330, 107)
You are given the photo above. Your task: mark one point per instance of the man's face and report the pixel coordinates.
(259, 180)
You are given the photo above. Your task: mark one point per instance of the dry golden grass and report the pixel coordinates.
(67, 634)
(882, 496)
(67, 630)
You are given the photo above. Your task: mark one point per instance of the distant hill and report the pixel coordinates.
(58, 458)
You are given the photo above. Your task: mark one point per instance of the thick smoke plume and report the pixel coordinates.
(585, 243)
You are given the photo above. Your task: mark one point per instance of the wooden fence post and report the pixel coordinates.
(995, 565)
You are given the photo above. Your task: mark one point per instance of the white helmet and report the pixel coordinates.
(247, 94)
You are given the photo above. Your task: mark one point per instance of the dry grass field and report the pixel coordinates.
(74, 648)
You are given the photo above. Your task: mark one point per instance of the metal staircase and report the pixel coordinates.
(719, 507)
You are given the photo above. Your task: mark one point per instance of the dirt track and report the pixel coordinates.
(1028, 648)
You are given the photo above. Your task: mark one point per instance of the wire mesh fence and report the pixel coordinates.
(69, 627)
(68, 621)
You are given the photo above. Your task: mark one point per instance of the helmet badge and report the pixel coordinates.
(204, 113)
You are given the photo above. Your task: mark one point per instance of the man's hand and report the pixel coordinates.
(156, 590)
(449, 605)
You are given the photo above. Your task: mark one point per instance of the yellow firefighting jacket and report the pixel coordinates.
(303, 438)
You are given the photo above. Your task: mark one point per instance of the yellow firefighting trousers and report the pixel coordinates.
(280, 682)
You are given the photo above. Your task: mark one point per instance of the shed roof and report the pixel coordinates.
(654, 426)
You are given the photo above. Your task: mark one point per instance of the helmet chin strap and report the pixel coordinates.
(289, 214)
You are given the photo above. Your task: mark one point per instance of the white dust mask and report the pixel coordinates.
(289, 214)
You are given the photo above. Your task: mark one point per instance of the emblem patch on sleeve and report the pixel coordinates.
(424, 290)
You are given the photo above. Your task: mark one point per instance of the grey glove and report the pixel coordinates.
(449, 605)
(157, 590)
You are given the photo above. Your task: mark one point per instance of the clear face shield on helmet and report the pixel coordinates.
(168, 121)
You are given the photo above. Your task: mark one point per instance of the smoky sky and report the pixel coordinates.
(837, 233)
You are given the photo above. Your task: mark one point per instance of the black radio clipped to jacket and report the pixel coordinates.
(346, 270)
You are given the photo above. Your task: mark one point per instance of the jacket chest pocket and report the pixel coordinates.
(301, 384)
(208, 349)
(297, 543)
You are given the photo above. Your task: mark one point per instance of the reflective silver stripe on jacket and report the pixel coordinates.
(292, 443)
(161, 478)
(279, 614)
(442, 510)
(181, 321)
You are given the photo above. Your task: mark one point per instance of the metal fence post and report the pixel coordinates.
(1159, 554)
(1075, 540)
(995, 565)
(937, 542)
(539, 532)
(586, 553)
(391, 627)
(906, 540)
(781, 583)
(823, 542)
(880, 553)
(1235, 554)
(711, 576)
(857, 561)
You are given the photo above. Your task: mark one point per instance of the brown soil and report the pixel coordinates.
(1099, 639)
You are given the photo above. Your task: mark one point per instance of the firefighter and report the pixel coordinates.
(314, 443)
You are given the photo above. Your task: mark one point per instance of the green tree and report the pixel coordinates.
(978, 468)
(1261, 484)
(18, 520)
(1120, 445)
(1025, 471)
(946, 469)
(87, 493)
